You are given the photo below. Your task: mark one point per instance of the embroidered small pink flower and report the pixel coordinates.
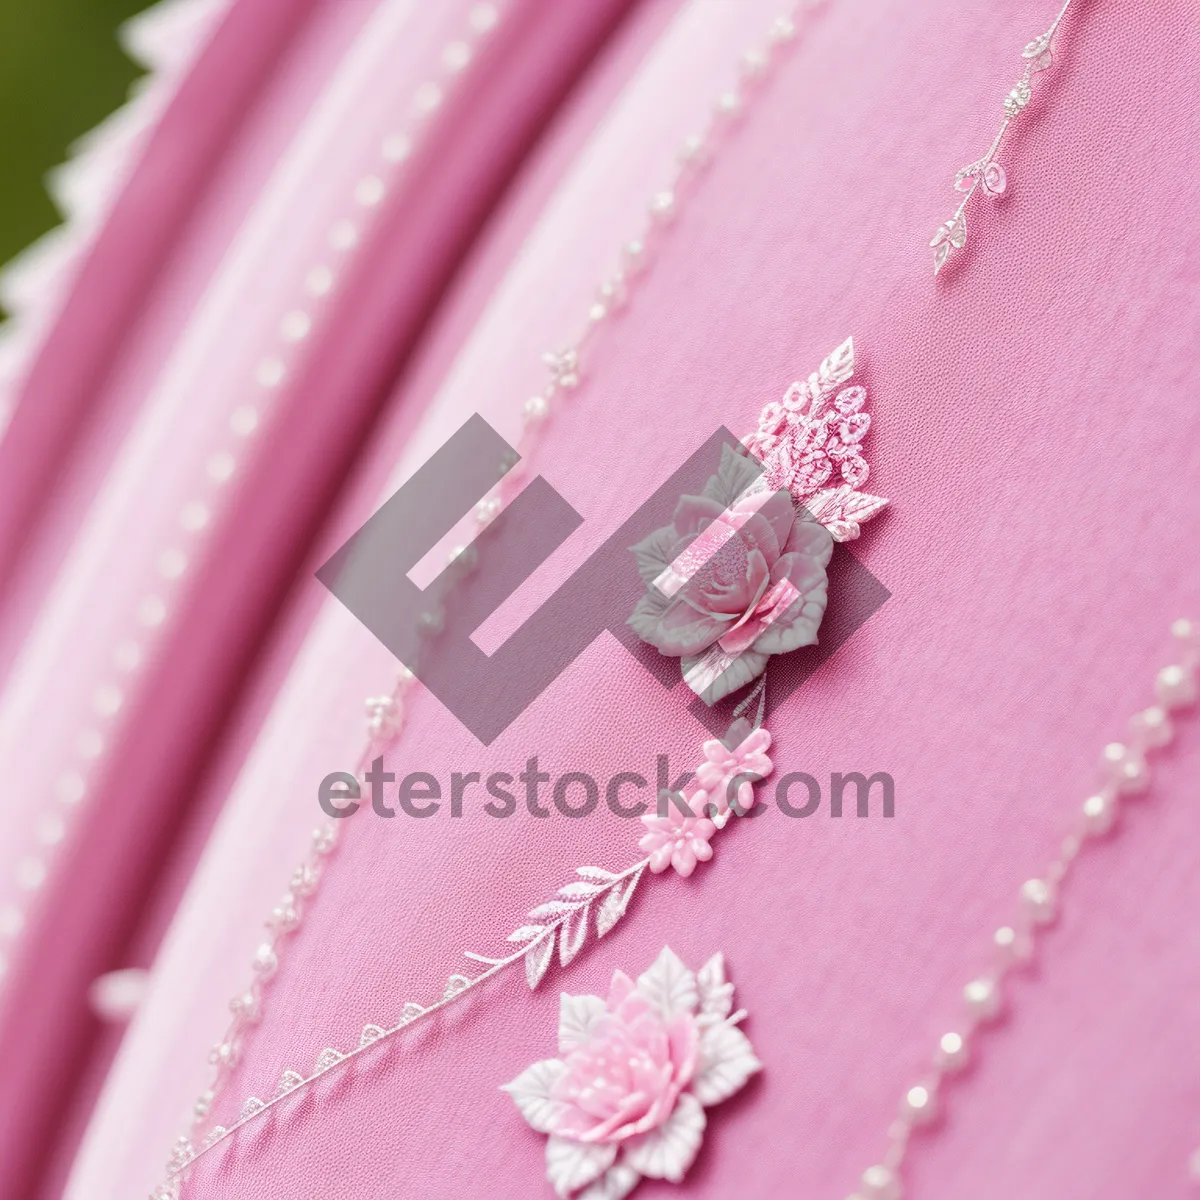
(741, 752)
(993, 179)
(627, 1097)
(677, 840)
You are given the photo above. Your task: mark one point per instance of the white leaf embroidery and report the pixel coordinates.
(833, 372)
(1037, 47)
(842, 510)
(579, 889)
(572, 935)
(615, 1184)
(571, 1165)
(288, 1081)
(537, 960)
(669, 985)
(615, 904)
(531, 1093)
(553, 908)
(668, 1151)
(576, 1016)
(726, 1062)
(598, 873)
(716, 995)
(525, 933)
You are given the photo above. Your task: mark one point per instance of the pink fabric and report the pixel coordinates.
(182, 375)
(1036, 435)
(126, 260)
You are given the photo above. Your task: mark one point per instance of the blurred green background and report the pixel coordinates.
(61, 72)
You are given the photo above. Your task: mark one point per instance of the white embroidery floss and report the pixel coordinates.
(986, 174)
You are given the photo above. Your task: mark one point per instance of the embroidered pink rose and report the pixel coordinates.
(677, 840)
(735, 578)
(627, 1097)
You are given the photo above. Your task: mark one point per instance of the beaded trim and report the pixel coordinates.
(565, 374)
(295, 329)
(1125, 775)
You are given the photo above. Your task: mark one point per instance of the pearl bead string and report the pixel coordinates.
(296, 324)
(385, 714)
(1125, 773)
(565, 366)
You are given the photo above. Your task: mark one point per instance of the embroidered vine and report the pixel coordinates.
(596, 898)
(986, 174)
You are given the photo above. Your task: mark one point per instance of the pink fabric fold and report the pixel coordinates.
(1035, 548)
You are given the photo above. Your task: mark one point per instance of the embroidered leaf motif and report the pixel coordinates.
(726, 1062)
(579, 890)
(835, 370)
(615, 904)
(576, 1016)
(252, 1106)
(1038, 46)
(326, 1059)
(716, 995)
(595, 873)
(553, 908)
(950, 236)
(615, 1184)
(571, 1165)
(288, 1081)
(370, 1033)
(531, 1093)
(842, 510)
(181, 1155)
(538, 959)
(454, 985)
(669, 985)
(668, 1151)
(525, 933)
(572, 934)
(214, 1135)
